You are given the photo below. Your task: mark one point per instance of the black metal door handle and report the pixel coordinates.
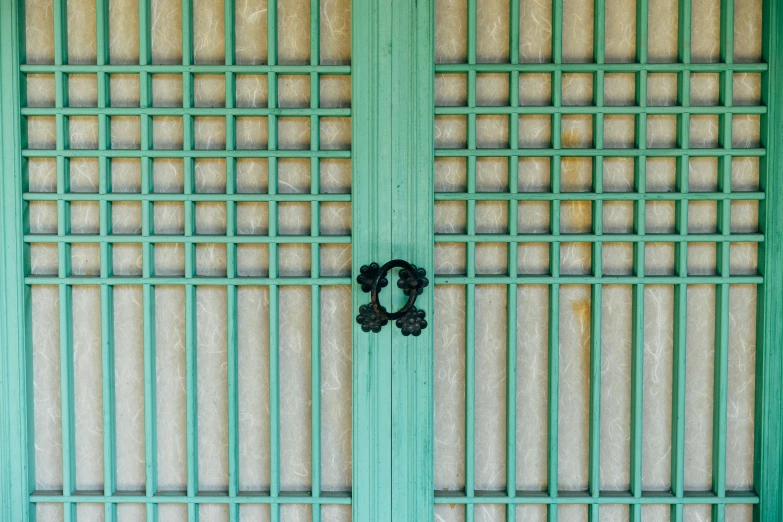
(412, 280)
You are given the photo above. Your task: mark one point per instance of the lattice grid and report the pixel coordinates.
(187, 179)
(599, 179)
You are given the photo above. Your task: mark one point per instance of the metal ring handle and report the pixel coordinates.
(372, 278)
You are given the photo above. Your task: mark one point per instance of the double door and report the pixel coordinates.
(577, 196)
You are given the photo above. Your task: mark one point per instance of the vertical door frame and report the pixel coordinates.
(413, 60)
(392, 165)
(768, 453)
(16, 475)
(371, 231)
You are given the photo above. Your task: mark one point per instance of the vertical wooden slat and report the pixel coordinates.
(64, 264)
(681, 264)
(315, 260)
(107, 293)
(371, 36)
(722, 291)
(470, 298)
(17, 466)
(768, 450)
(274, 290)
(511, 293)
(596, 293)
(554, 265)
(638, 292)
(232, 319)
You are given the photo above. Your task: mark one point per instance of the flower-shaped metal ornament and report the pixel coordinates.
(370, 319)
(367, 275)
(412, 323)
(412, 280)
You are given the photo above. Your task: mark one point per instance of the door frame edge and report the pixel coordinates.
(768, 425)
(16, 471)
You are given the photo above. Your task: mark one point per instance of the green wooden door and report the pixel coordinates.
(177, 314)
(591, 187)
(595, 330)
(593, 314)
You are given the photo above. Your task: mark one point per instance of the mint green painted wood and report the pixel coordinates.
(637, 303)
(596, 291)
(16, 475)
(511, 293)
(768, 469)
(231, 269)
(106, 268)
(200, 281)
(412, 189)
(580, 153)
(232, 198)
(148, 280)
(598, 196)
(147, 67)
(558, 65)
(584, 497)
(723, 254)
(202, 238)
(65, 292)
(392, 216)
(681, 280)
(470, 288)
(274, 290)
(191, 290)
(681, 265)
(371, 217)
(195, 111)
(329, 499)
(315, 256)
(598, 110)
(189, 154)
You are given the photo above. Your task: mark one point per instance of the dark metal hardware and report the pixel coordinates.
(412, 281)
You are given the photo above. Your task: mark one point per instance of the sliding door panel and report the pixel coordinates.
(597, 195)
(188, 192)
